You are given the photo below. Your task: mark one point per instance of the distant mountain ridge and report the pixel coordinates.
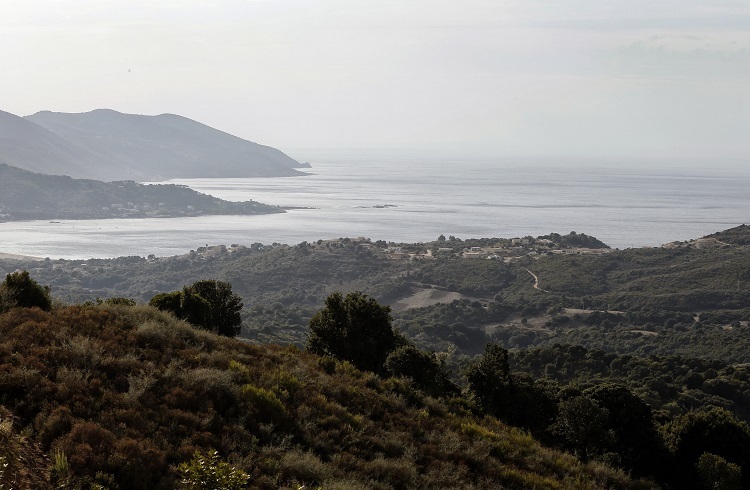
(108, 145)
(34, 148)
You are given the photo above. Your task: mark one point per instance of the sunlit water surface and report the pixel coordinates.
(412, 201)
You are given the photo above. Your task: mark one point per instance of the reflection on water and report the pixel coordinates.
(417, 201)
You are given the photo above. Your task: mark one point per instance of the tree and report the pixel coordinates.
(424, 369)
(515, 398)
(354, 328)
(532, 404)
(168, 302)
(582, 426)
(20, 290)
(214, 306)
(717, 473)
(207, 304)
(489, 380)
(714, 431)
(636, 439)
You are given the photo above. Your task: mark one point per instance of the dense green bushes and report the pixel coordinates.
(608, 422)
(207, 304)
(353, 328)
(611, 365)
(20, 290)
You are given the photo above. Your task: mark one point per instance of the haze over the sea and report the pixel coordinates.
(624, 120)
(636, 80)
(417, 200)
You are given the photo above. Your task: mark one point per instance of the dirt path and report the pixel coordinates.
(579, 311)
(536, 281)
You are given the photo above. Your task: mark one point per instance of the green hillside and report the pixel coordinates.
(636, 359)
(690, 301)
(120, 397)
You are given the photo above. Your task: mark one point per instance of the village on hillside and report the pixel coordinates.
(505, 250)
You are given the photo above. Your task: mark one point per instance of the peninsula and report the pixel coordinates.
(30, 196)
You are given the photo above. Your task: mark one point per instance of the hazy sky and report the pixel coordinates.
(621, 79)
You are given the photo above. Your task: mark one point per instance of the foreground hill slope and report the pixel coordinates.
(120, 396)
(109, 145)
(27, 195)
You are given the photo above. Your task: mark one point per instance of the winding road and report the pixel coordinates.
(536, 281)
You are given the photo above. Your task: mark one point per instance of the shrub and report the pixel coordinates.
(304, 467)
(207, 304)
(354, 328)
(327, 364)
(265, 404)
(717, 473)
(20, 290)
(119, 301)
(424, 369)
(206, 471)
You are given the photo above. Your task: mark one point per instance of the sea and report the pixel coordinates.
(417, 200)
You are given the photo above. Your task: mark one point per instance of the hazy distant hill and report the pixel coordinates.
(28, 145)
(28, 195)
(108, 145)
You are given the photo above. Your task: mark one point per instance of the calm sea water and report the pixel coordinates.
(411, 201)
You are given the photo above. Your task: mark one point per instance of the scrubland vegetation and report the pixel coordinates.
(623, 370)
(125, 397)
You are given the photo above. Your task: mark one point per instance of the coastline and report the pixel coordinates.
(6, 256)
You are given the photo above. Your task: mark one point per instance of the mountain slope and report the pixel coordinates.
(126, 394)
(28, 195)
(108, 145)
(37, 149)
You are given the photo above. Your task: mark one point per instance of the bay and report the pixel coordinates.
(417, 200)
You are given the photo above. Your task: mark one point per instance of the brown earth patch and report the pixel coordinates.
(422, 297)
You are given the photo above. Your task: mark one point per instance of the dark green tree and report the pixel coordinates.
(424, 369)
(490, 381)
(714, 431)
(213, 305)
(636, 439)
(716, 473)
(168, 302)
(582, 427)
(353, 328)
(208, 304)
(20, 290)
(532, 404)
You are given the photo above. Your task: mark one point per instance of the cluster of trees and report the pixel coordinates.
(623, 399)
(131, 397)
(607, 421)
(574, 239)
(727, 342)
(207, 304)
(669, 383)
(481, 278)
(704, 448)
(357, 329)
(20, 290)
